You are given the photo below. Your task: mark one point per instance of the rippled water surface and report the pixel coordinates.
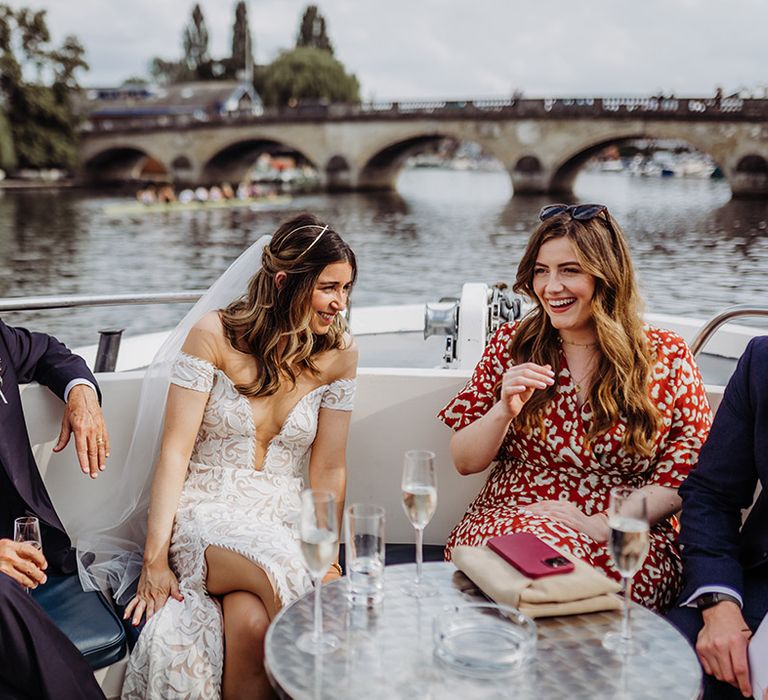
(696, 250)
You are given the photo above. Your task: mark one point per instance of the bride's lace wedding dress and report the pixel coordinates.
(229, 502)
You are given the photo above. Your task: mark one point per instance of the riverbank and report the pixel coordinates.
(18, 184)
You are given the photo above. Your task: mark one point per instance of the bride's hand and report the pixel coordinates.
(332, 575)
(156, 584)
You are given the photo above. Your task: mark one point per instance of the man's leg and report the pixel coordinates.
(37, 660)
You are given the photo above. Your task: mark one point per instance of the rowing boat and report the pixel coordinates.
(139, 209)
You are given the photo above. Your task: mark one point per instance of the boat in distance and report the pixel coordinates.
(253, 203)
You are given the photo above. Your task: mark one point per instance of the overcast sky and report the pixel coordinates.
(456, 48)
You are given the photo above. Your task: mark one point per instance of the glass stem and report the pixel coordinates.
(419, 553)
(625, 630)
(318, 633)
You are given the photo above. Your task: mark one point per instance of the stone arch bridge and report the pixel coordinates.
(541, 143)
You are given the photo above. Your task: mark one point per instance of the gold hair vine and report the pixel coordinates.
(316, 239)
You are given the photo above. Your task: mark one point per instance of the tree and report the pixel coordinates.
(308, 74)
(195, 64)
(242, 46)
(37, 83)
(312, 33)
(195, 41)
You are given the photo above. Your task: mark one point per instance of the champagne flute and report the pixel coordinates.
(27, 530)
(319, 538)
(628, 545)
(419, 486)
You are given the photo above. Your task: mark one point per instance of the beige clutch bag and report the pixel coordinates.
(583, 590)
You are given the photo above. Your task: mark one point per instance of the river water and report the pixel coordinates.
(695, 249)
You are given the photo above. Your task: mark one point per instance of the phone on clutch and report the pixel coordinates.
(530, 555)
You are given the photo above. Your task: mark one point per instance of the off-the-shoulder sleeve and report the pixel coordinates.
(479, 394)
(339, 395)
(192, 372)
(689, 418)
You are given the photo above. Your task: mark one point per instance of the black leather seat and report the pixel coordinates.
(86, 617)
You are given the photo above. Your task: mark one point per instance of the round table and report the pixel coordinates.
(386, 651)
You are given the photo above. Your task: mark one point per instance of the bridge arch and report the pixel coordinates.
(232, 162)
(379, 167)
(564, 172)
(124, 163)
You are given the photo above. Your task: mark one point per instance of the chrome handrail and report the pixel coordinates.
(711, 326)
(66, 302)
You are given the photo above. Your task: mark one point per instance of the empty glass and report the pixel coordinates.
(365, 551)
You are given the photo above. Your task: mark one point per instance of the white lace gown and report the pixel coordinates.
(229, 503)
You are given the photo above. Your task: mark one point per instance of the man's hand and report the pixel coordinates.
(23, 563)
(722, 645)
(83, 417)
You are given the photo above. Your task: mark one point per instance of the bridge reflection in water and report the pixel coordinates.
(541, 143)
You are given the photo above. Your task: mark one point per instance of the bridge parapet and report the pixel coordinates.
(691, 108)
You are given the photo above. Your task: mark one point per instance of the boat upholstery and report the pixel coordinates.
(86, 617)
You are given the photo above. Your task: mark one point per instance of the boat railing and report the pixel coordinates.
(729, 314)
(109, 338)
(71, 301)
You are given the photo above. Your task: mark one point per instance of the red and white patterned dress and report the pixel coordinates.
(532, 467)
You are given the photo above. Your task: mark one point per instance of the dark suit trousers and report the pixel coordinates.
(689, 622)
(38, 660)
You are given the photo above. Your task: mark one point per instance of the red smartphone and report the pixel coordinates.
(530, 555)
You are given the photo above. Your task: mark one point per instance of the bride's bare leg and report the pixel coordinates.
(245, 626)
(248, 605)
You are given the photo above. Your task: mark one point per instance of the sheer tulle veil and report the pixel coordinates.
(109, 550)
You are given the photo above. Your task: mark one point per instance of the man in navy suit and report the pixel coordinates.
(726, 565)
(36, 659)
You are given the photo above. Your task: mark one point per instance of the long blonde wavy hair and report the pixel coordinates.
(620, 388)
(272, 322)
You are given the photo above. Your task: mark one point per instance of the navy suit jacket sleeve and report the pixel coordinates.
(724, 480)
(42, 358)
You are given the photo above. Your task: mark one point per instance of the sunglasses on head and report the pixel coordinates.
(580, 212)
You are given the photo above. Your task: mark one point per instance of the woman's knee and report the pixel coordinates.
(245, 616)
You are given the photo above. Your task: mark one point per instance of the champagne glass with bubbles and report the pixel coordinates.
(419, 488)
(319, 534)
(628, 545)
(27, 530)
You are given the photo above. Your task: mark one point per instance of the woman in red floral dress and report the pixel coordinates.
(576, 398)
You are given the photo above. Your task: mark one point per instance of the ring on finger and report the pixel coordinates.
(99, 440)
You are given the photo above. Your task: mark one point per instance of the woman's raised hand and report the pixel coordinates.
(519, 383)
(156, 584)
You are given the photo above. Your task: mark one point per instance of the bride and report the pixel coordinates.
(260, 390)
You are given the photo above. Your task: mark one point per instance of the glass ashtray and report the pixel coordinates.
(483, 639)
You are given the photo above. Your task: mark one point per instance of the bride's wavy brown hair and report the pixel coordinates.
(273, 323)
(622, 377)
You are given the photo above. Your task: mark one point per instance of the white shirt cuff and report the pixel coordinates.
(74, 383)
(691, 602)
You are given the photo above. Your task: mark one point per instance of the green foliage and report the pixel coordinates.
(195, 40)
(312, 32)
(242, 44)
(195, 64)
(37, 82)
(308, 74)
(7, 151)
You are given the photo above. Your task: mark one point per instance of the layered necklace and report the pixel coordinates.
(579, 382)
